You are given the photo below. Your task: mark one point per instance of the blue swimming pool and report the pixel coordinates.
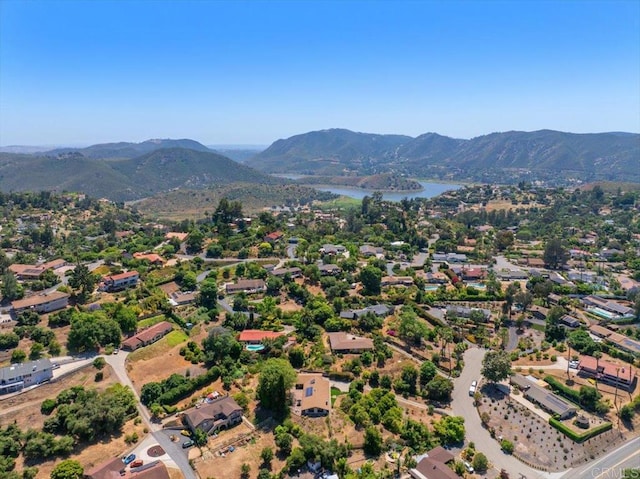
(255, 347)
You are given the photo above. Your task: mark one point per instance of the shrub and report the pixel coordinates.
(47, 406)
(507, 446)
(577, 437)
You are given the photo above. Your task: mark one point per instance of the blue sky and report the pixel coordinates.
(82, 72)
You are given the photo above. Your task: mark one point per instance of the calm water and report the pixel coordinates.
(429, 190)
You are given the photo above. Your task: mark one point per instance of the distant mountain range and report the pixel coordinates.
(553, 156)
(113, 177)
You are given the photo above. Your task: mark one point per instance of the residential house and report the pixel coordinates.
(294, 272)
(449, 258)
(329, 269)
(256, 336)
(396, 281)
(333, 249)
(464, 312)
(176, 235)
(342, 342)
(610, 253)
(608, 373)
(436, 278)
(147, 336)
(35, 271)
(246, 286)
(311, 395)
(119, 282)
(23, 375)
(535, 262)
(607, 309)
(152, 258)
(512, 274)
(473, 274)
(219, 414)
(115, 469)
(41, 303)
(381, 310)
(543, 397)
(180, 298)
(433, 465)
(367, 251)
(273, 237)
(569, 321)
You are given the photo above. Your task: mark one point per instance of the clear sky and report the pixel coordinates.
(82, 72)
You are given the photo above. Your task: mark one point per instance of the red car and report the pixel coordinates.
(137, 463)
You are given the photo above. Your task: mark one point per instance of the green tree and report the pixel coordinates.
(439, 389)
(480, 462)
(370, 277)
(296, 357)
(267, 456)
(208, 293)
(200, 437)
(11, 290)
(555, 255)
(18, 356)
(126, 317)
(450, 429)
(194, 241)
(68, 469)
(82, 279)
(276, 378)
(372, 442)
(496, 366)
(36, 351)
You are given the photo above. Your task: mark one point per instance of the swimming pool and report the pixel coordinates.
(602, 313)
(477, 285)
(255, 347)
(431, 287)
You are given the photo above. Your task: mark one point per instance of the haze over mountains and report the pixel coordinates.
(128, 171)
(499, 157)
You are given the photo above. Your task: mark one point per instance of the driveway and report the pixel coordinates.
(462, 405)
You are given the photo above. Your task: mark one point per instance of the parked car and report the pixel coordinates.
(468, 466)
(129, 459)
(187, 444)
(473, 388)
(137, 463)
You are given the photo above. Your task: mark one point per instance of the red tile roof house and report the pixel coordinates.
(609, 373)
(118, 282)
(152, 258)
(147, 336)
(274, 237)
(256, 336)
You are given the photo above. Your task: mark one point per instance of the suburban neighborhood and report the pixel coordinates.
(491, 331)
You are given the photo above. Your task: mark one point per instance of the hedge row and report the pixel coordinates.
(341, 376)
(566, 391)
(576, 437)
(174, 395)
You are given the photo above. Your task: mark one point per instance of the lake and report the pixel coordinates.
(429, 190)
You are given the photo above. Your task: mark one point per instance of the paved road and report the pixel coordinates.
(463, 406)
(513, 339)
(118, 363)
(611, 465)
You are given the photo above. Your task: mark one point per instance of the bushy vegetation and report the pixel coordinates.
(579, 437)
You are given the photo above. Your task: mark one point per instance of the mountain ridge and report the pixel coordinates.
(499, 156)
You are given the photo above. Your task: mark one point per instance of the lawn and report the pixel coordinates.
(145, 323)
(174, 338)
(335, 392)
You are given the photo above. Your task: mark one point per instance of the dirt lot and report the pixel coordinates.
(24, 409)
(159, 361)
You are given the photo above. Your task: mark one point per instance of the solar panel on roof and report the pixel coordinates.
(308, 392)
